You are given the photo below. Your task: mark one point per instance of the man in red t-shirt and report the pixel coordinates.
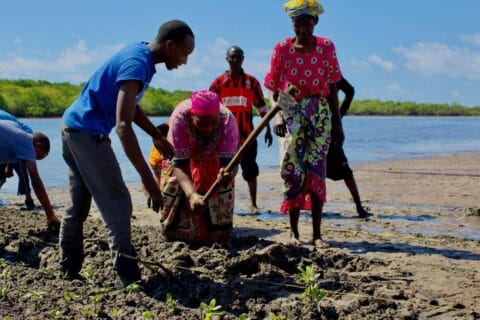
(239, 91)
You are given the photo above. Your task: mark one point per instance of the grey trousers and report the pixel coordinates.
(94, 172)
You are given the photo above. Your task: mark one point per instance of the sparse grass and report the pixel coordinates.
(210, 310)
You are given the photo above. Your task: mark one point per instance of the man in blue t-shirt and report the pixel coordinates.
(19, 144)
(110, 99)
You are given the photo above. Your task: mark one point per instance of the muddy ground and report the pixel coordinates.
(417, 258)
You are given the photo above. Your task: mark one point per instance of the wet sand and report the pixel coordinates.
(417, 257)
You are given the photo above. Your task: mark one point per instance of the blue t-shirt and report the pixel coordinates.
(4, 115)
(15, 143)
(94, 111)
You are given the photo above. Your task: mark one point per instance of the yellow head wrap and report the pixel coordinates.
(297, 8)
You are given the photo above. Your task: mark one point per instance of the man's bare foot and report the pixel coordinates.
(362, 213)
(254, 210)
(294, 240)
(320, 244)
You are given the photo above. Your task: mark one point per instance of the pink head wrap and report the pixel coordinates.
(205, 103)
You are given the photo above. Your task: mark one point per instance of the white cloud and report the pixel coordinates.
(438, 59)
(70, 64)
(472, 39)
(360, 65)
(382, 63)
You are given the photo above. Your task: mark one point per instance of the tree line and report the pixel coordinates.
(32, 98)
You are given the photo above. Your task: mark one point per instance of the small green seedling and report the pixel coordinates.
(147, 315)
(116, 313)
(309, 277)
(171, 303)
(57, 314)
(69, 296)
(6, 274)
(281, 316)
(89, 274)
(134, 287)
(88, 313)
(105, 290)
(4, 292)
(35, 296)
(211, 309)
(3, 263)
(243, 316)
(96, 298)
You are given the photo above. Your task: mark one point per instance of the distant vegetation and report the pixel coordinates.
(391, 108)
(30, 98)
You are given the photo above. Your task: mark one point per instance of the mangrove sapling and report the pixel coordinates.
(57, 314)
(89, 274)
(309, 277)
(98, 310)
(105, 289)
(134, 287)
(88, 313)
(171, 303)
(4, 292)
(69, 296)
(211, 310)
(147, 315)
(281, 316)
(34, 296)
(116, 313)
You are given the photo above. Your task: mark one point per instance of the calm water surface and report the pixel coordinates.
(368, 139)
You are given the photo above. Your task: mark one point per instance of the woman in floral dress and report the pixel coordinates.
(309, 63)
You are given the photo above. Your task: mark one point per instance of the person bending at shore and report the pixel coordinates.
(18, 143)
(155, 158)
(239, 92)
(309, 63)
(337, 162)
(110, 99)
(205, 138)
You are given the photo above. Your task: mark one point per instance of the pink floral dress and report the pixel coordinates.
(204, 156)
(303, 165)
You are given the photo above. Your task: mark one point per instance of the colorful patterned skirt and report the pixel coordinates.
(305, 149)
(178, 223)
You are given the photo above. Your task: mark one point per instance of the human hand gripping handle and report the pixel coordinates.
(224, 177)
(287, 102)
(196, 203)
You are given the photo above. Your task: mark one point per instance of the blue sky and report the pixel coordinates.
(416, 50)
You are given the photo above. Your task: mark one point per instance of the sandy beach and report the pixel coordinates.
(418, 257)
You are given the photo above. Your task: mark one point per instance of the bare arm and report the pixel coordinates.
(268, 132)
(159, 140)
(279, 127)
(195, 200)
(41, 194)
(349, 91)
(126, 110)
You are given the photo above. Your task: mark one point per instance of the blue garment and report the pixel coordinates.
(15, 143)
(94, 111)
(4, 115)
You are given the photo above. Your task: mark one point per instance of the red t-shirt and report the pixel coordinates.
(239, 97)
